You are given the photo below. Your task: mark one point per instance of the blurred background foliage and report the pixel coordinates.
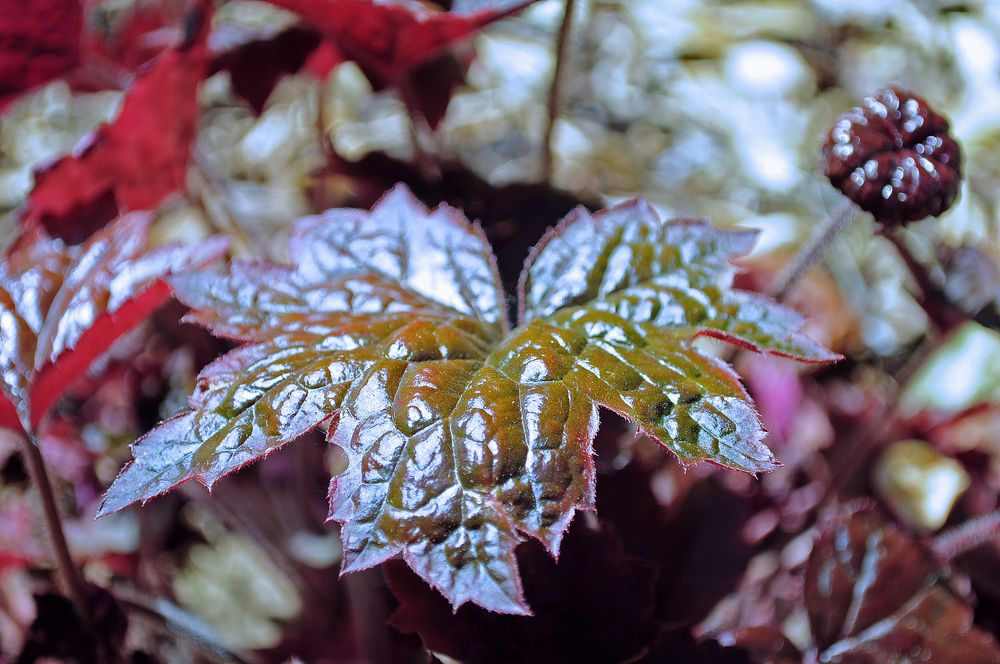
(709, 109)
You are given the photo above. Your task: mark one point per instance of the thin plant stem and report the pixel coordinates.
(425, 162)
(176, 620)
(369, 611)
(555, 88)
(323, 137)
(942, 314)
(70, 580)
(968, 536)
(813, 251)
(805, 258)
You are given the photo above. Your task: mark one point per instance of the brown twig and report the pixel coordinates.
(70, 580)
(555, 88)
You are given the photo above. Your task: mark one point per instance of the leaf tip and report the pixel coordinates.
(113, 502)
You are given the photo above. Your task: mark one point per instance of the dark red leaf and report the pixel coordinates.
(859, 572)
(933, 626)
(8, 414)
(428, 87)
(137, 160)
(52, 379)
(63, 306)
(322, 61)
(768, 644)
(257, 64)
(39, 41)
(57, 632)
(594, 605)
(388, 37)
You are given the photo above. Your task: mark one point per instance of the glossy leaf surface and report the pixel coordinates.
(462, 436)
(388, 37)
(138, 159)
(632, 293)
(875, 595)
(62, 306)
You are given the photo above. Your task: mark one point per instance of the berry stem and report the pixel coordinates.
(813, 251)
(940, 311)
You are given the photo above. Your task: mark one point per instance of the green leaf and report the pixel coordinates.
(463, 436)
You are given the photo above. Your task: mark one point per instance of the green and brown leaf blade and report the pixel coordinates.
(462, 435)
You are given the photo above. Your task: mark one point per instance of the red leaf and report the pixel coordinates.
(147, 28)
(53, 378)
(137, 160)
(8, 414)
(387, 38)
(63, 306)
(39, 41)
(322, 61)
